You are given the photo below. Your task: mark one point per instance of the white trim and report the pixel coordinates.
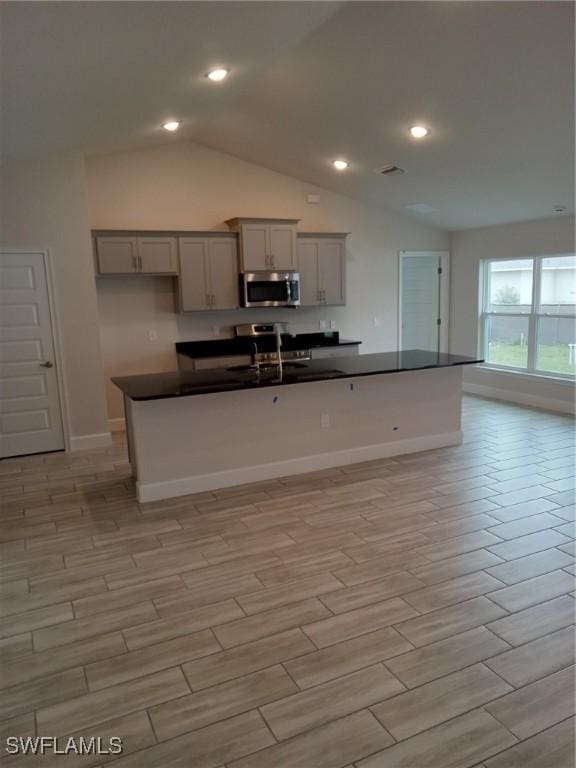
(522, 398)
(89, 442)
(117, 425)
(537, 378)
(56, 328)
(231, 477)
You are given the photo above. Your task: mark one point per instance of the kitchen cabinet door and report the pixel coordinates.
(255, 244)
(282, 250)
(157, 255)
(308, 269)
(117, 255)
(223, 273)
(331, 271)
(194, 278)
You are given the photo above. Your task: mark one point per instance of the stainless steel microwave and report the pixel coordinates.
(270, 289)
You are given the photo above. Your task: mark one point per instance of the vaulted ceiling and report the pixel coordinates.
(311, 81)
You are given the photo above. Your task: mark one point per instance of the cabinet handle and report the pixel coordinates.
(207, 299)
(140, 263)
(213, 295)
(271, 260)
(134, 263)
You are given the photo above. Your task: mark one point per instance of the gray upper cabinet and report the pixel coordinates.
(266, 244)
(117, 255)
(158, 255)
(130, 255)
(322, 267)
(208, 273)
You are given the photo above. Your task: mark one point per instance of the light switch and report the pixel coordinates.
(322, 325)
(152, 335)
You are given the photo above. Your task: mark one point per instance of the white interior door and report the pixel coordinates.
(424, 308)
(30, 410)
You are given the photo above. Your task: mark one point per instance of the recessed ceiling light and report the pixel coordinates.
(419, 131)
(171, 125)
(341, 165)
(217, 75)
(559, 208)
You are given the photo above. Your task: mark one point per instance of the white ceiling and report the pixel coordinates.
(312, 81)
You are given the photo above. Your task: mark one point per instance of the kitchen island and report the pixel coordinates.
(193, 431)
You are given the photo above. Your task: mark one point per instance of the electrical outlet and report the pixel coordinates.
(332, 325)
(322, 325)
(325, 420)
(376, 321)
(152, 335)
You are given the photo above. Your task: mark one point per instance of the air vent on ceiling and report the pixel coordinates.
(390, 170)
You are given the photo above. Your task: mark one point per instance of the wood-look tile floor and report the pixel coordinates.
(414, 612)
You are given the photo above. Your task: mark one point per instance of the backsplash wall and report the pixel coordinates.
(187, 186)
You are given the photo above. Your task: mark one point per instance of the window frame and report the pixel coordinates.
(534, 316)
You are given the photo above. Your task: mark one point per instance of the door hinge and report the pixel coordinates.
(439, 321)
(439, 270)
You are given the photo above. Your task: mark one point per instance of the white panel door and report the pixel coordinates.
(423, 297)
(30, 410)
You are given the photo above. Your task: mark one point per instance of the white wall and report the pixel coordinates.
(188, 186)
(532, 238)
(44, 205)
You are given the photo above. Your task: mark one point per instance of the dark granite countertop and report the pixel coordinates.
(157, 386)
(242, 345)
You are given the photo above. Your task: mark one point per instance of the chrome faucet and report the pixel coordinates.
(255, 361)
(278, 345)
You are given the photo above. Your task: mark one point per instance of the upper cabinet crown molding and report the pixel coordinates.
(266, 244)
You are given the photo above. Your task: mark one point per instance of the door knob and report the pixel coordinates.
(47, 364)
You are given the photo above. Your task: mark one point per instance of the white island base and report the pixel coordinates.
(189, 444)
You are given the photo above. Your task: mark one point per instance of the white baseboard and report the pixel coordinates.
(117, 425)
(199, 483)
(89, 442)
(522, 398)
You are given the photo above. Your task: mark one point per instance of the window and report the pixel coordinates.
(528, 319)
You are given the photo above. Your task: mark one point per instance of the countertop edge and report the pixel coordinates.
(248, 386)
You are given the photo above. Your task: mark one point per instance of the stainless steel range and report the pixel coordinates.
(254, 345)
